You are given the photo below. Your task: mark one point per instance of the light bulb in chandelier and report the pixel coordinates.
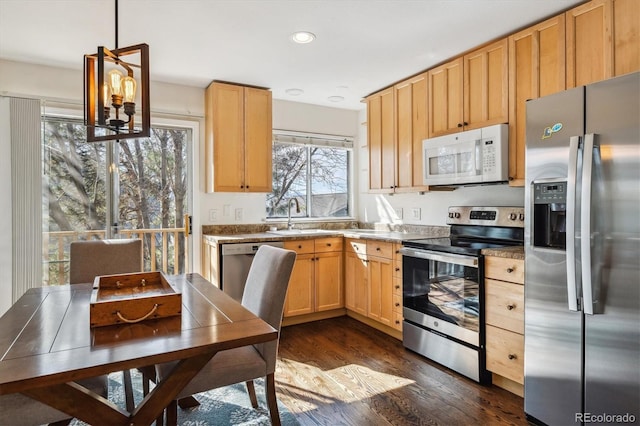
(129, 91)
(115, 86)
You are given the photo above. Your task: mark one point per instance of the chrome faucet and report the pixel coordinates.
(289, 224)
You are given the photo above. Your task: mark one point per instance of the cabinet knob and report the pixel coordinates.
(377, 248)
(241, 186)
(299, 246)
(397, 322)
(328, 244)
(511, 307)
(398, 287)
(513, 356)
(397, 304)
(510, 270)
(459, 124)
(465, 123)
(397, 269)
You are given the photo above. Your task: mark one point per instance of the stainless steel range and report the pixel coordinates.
(443, 287)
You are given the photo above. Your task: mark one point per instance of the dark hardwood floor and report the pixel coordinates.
(342, 372)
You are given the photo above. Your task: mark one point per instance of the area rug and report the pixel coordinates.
(224, 406)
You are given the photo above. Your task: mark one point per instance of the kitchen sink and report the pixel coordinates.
(301, 231)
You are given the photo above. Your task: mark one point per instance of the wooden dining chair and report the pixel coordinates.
(89, 259)
(264, 295)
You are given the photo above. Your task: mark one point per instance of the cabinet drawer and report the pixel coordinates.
(505, 353)
(397, 266)
(300, 246)
(355, 246)
(397, 303)
(380, 249)
(505, 269)
(323, 245)
(397, 321)
(505, 305)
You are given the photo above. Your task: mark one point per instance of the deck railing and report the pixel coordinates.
(164, 249)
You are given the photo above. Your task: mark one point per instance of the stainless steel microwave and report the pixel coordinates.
(472, 157)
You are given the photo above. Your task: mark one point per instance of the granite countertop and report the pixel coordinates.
(370, 234)
(516, 252)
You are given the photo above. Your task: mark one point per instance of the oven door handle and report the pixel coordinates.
(457, 259)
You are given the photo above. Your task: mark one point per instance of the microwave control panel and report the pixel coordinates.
(489, 160)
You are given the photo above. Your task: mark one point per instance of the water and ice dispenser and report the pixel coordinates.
(550, 214)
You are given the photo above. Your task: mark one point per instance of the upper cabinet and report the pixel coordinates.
(469, 92)
(397, 123)
(238, 138)
(536, 68)
(602, 41)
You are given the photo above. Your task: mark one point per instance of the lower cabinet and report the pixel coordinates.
(370, 281)
(316, 279)
(504, 291)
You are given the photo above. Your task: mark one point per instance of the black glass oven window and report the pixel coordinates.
(442, 290)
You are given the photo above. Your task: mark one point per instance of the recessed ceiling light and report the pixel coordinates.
(336, 98)
(303, 37)
(294, 92)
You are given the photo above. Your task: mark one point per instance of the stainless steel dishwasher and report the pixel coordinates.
(236, 261)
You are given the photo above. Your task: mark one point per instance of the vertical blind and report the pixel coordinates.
(26, 194)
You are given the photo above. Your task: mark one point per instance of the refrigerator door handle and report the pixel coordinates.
(585, 224)
(572, 285)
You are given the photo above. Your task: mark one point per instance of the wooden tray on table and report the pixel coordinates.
(132, 298)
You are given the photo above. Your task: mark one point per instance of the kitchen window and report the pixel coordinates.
(316, 171)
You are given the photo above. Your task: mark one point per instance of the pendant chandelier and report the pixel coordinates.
(113, 81)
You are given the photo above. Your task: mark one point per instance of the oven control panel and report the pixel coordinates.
(488, 216)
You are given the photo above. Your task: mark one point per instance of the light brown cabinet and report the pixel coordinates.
(602, 41)
(238, 138)
(504, 293)
(469, 92)
(397, 288)
(397, 123)
(316, 279)
(536, 68)
(370, 276)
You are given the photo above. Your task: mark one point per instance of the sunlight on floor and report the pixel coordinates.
(330, 386)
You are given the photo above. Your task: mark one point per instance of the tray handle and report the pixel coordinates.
(142, 318)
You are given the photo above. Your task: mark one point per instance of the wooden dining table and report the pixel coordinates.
(47, 345)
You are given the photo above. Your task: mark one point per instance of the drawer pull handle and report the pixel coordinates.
(511, 307)
(512, 356)
(510, 270)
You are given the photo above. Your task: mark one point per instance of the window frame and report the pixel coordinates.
(326, 141)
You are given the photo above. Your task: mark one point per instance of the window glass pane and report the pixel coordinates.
(329, 182)
(74, 192)
(289, 180)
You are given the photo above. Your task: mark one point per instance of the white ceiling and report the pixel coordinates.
(361, 45)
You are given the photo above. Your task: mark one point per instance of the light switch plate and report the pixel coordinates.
(415, 213)
(213, 215)
(398, 211)
(238, 214)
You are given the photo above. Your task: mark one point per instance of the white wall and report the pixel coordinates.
(6, 233)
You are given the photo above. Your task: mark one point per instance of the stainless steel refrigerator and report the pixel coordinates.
(582, 255)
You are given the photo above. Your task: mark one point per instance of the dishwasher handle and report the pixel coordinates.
(247, 248)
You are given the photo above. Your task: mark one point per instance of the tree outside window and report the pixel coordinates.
(316, 175)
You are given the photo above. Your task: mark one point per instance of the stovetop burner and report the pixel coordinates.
(477, 228)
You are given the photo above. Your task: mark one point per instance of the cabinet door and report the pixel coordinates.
(225, 137)
(626, 37)
(411, 129)
(381, 290)
(258, 140)
(356, 283)
(445, 91)
(300, 294)
(486, 88)
(329, 291)
(381, 141)
(536, 68)
(589, 43)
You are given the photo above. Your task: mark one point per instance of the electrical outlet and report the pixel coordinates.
(415, 213)
(238, 214)
(226, 210)
(213, 215)
(398, 211)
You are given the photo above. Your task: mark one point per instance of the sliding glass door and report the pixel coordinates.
(128, 189)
